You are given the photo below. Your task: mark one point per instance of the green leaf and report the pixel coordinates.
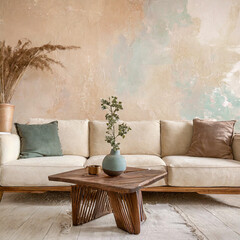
(112, 105)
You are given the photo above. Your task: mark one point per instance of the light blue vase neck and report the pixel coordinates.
(113, 152)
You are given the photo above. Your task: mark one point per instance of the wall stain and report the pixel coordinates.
(164, 59)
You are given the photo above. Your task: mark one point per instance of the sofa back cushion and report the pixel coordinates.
(176, 137)
(73, 135)
(144, 138)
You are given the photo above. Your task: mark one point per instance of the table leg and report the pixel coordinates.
(1, 195)
(128, 210)
(88, 204)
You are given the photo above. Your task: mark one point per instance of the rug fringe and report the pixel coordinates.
(189, 223)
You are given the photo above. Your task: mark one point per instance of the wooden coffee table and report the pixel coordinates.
(94, 196)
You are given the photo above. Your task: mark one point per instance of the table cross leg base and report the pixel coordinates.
(128, 210)
(88, 204)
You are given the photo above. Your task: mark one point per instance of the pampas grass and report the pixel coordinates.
(14, 61)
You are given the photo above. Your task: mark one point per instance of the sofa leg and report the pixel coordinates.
(1, 195)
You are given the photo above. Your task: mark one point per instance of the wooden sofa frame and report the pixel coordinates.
(200, 190)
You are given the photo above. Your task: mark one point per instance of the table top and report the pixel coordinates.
(131, 180)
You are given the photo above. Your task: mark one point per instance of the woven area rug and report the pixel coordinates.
(162, 223)
(48, 216)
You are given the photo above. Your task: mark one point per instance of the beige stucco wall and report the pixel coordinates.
(163, 59)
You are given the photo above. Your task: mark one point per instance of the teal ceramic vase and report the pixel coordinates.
(114, 164)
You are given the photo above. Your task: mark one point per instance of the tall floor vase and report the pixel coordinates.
(6, 117)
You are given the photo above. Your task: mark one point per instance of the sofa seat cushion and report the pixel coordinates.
(141, 161)
(35, 171)
(185, 171)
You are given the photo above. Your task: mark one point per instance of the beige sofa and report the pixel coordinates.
(150, 144)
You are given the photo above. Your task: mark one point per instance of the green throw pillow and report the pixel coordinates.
(39, 140)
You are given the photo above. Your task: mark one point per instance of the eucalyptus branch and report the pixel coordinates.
(113, 106)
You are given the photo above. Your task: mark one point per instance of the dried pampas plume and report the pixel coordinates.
(15, 61)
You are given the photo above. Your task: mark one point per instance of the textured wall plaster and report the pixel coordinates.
(165, 59)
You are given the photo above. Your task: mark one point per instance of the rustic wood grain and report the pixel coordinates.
(13, 216)
(131, 180)
(200, 190)
(96, 195)
(207, 223)
(36, 189)
(88, 204)
(216, 217)
(1, 195)
(128, 210)
(35, 228)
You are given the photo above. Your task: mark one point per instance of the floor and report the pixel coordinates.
(170, 216)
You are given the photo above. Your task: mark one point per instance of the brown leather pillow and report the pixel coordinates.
(212, 139)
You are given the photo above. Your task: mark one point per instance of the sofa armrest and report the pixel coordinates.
(236, 147)
(9, 147)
